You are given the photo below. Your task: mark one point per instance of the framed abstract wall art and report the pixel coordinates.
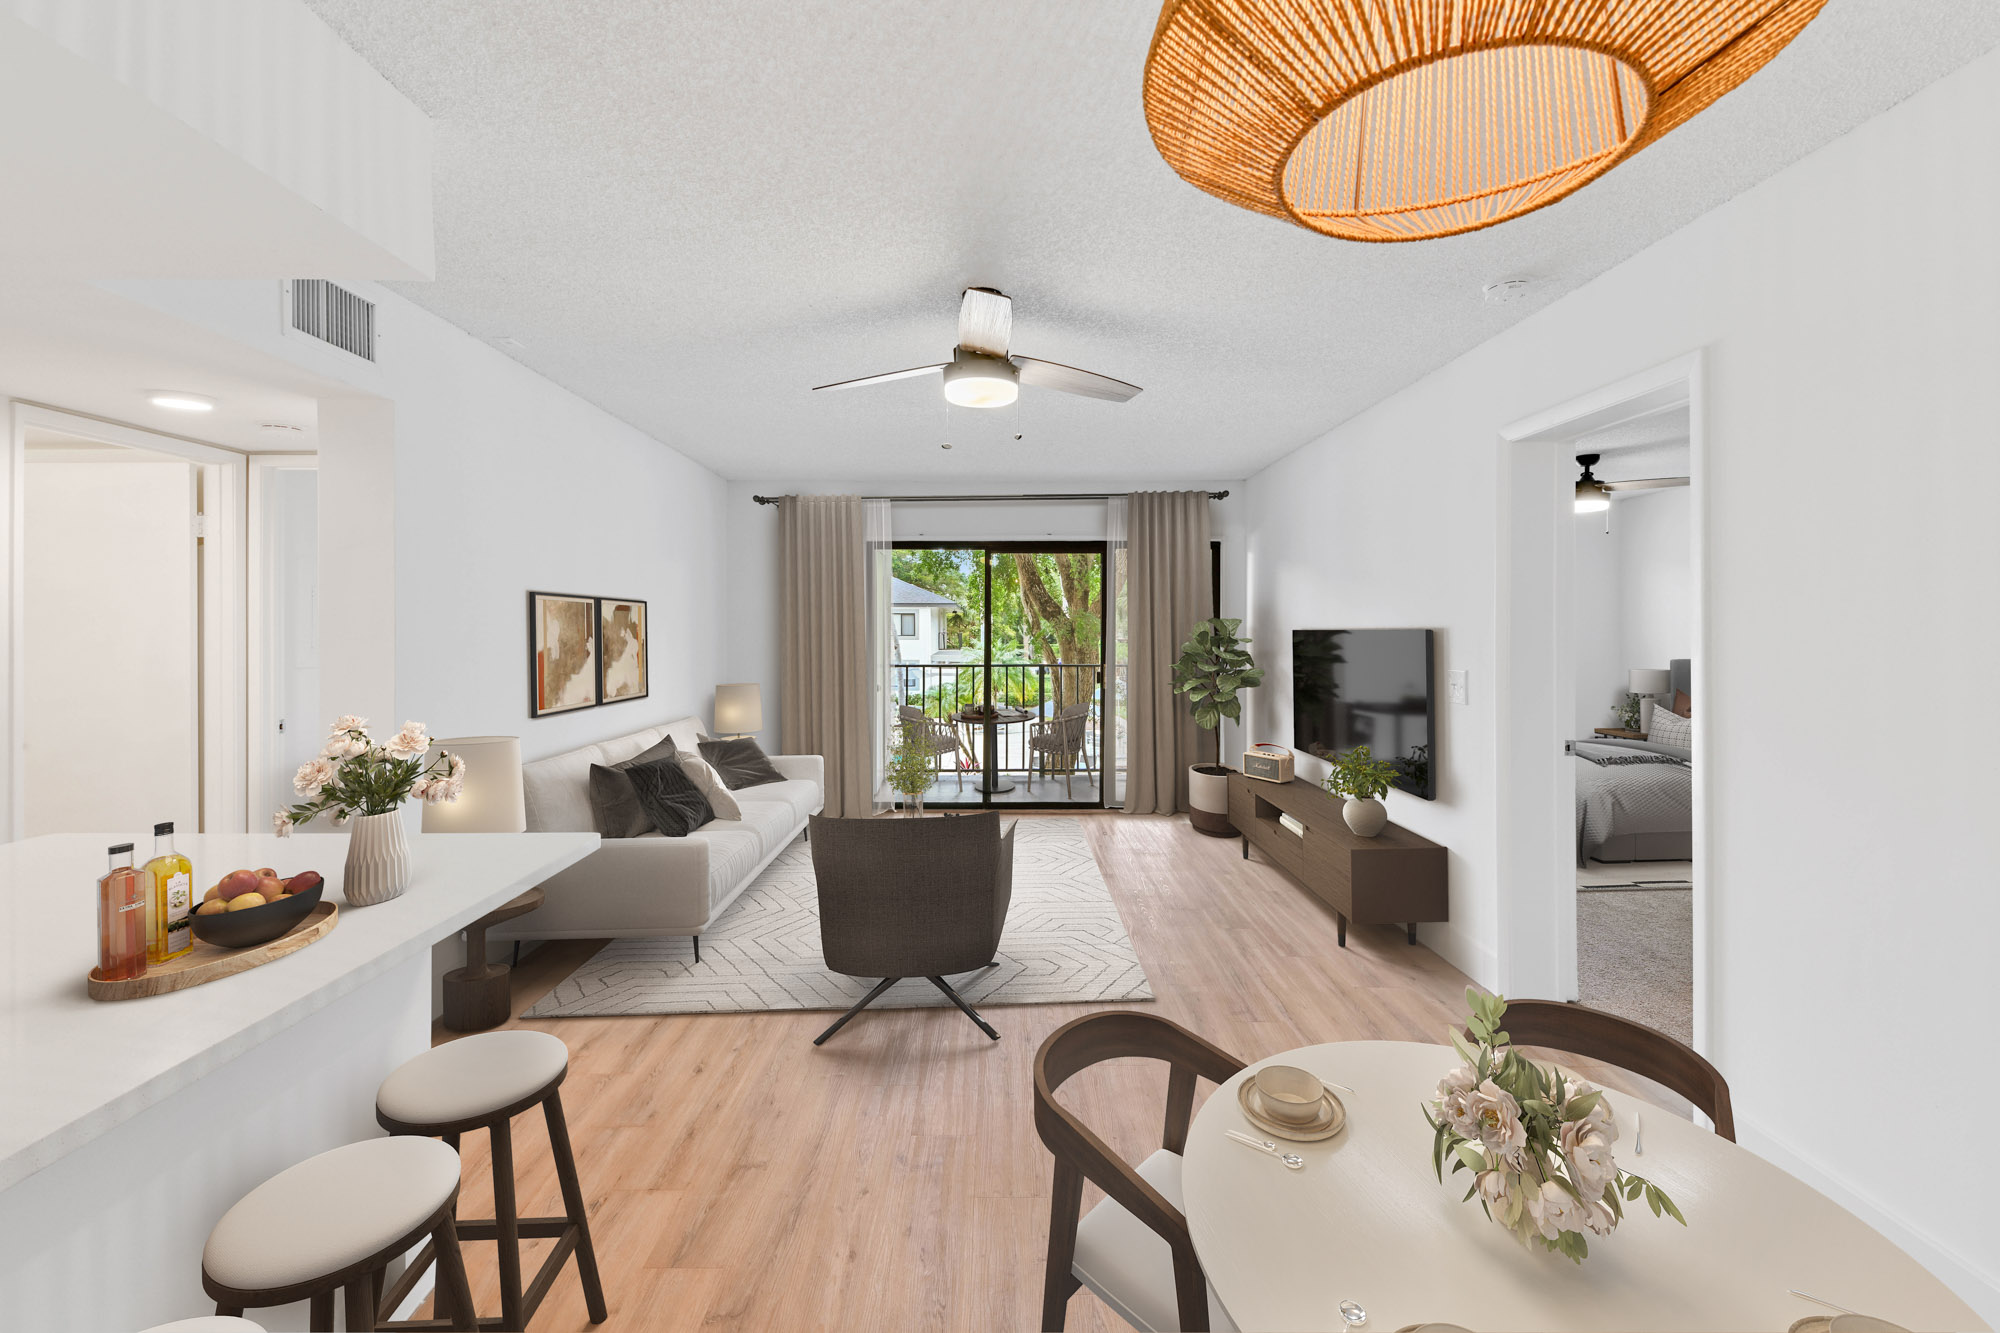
(562, 653)
(622, 650)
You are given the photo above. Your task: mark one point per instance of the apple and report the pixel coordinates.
(212, 894)
(211, 907)
(266, 872)
(303, 882)
(246, 900)
(237, 882)
(270, 886)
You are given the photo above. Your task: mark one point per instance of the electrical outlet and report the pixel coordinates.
(1458, 688)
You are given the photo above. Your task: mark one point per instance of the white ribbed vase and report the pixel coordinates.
(378, 860)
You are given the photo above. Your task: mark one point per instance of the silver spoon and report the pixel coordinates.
(1292, 1160)
(1638, 1135)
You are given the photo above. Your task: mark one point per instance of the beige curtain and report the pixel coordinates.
(824, 649)
(1171, 589)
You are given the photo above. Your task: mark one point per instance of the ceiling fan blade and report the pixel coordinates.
(882, 379)
(985, 321)
(1068, 379)
(1644, 484)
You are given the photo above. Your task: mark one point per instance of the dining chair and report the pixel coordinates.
(937, 736)
(1060, 740)
(912, 898)
(1133, 1248)
(1619, 1041)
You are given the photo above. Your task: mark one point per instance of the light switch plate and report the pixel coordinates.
(1458, 688)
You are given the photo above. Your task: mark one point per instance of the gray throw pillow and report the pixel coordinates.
(612, 800)
(740, 764)
(669, 797)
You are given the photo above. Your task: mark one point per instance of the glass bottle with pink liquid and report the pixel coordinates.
(122, 897)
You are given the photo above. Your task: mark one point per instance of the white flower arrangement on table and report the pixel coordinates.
(355, 775)
(1537, 1140)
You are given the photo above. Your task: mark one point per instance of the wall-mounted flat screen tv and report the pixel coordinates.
(1368, 687)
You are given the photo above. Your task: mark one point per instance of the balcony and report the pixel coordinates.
(1034, 776)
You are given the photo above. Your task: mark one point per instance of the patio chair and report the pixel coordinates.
(937, 736)
(1059, 740)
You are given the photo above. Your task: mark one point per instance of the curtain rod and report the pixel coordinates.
(986, 499)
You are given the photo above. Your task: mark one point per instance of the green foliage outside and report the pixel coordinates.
(1047, 610)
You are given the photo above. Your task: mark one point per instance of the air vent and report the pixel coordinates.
(334, 315)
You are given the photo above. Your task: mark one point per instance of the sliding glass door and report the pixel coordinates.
(998, 665)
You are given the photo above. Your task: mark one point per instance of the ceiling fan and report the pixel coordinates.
(983, 373)
(1593, 496)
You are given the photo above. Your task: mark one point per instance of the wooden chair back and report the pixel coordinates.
(1080, 1155)
(1620, 1041)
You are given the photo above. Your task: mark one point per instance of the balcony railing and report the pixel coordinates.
(943, 689)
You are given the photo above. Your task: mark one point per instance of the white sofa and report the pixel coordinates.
(655, 885)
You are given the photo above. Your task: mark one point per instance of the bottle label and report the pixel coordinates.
(180, 906)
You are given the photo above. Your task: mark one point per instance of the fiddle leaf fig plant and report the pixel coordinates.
(1359, 774)
(1214, 665)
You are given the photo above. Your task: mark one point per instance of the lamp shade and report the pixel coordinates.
(739, 710)
(493, 800)
(1646, 680)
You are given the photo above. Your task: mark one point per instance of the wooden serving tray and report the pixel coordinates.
(210, 962)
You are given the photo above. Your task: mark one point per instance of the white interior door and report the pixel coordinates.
(285, 721)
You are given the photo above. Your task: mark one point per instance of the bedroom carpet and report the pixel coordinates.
(1064, 943)
(1635, 955)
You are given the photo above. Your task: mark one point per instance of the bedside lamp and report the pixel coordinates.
(493, 800)
(1647, 682)
(739, 710)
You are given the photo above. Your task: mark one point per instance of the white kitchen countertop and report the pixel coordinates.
(72, 1067)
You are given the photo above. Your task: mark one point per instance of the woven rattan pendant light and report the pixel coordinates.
(1401, 120)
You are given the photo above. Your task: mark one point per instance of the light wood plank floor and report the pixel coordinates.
(739, 1177)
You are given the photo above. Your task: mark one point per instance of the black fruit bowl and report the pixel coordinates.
(257, 925)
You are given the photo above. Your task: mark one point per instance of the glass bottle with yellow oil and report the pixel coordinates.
(173, 898)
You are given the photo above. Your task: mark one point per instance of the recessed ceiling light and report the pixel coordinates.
(1506, 291)
(176, 401)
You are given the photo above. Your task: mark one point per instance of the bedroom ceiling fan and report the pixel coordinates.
(983, 372)
(1594, 496)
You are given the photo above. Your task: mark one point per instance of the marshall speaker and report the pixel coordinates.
(1267, 762)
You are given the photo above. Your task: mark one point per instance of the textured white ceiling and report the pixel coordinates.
(691, 213)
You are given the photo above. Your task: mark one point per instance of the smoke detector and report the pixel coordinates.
(1505, 292)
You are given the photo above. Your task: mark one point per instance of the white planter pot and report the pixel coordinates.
(1208, 800)
(1366, 817)
(378, 860)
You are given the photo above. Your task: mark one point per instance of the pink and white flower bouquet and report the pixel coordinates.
(357, 775)
(1536, 1140)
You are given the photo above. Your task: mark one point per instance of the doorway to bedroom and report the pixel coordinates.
(1603, 860)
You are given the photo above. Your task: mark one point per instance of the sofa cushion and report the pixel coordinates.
(558, 790)
(621, 748)
(614, 803)
(669, 797)
(710, 782)
(742, 763)
(773, 821)
(801, 796)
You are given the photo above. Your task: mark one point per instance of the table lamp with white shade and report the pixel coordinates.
(739, 710)
(1648, 683)
(493, 800)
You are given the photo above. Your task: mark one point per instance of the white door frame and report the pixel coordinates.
(1537, 678)
(221, 770)
(262, 719)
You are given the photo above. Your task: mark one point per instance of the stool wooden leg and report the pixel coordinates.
(572, 1192)
(235, 1311)
(506, 1217)
(360, 1304)
(322, 1312)
(452, 1288)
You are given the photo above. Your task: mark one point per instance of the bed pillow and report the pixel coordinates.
(710, 782)
(1683, 706)
(1671, 729)
(669, 797)
(740, 763)
(612, 800)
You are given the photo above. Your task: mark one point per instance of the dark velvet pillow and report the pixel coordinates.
(740, 763)
(612, 800)
(669, 797)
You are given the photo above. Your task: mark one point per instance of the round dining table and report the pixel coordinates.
(1366, 1221)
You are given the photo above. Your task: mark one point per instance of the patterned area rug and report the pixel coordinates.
(1063, 943)
(1635, 956)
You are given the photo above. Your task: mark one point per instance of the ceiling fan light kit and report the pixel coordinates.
(974, 379)
(1404, 120)
(1591, 497)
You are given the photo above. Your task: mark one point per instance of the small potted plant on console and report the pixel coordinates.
(1363, 780)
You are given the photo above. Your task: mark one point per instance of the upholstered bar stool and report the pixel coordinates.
(333, 1223)
(483, 1082)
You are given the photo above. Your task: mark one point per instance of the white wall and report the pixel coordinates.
(1853, 917)
(1634, 597)
(751, 649)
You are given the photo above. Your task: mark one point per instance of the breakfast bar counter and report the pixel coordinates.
(128, 1127)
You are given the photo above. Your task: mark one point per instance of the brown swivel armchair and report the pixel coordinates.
(911, 898)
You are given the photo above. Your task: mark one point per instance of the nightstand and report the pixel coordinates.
(1621, 733)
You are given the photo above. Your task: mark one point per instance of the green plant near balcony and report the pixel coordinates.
(1214, 665)
(911, 767)
(1360, 775)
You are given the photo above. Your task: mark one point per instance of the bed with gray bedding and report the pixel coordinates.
(1634, 801)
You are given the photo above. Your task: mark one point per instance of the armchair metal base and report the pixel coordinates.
(887, 982)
